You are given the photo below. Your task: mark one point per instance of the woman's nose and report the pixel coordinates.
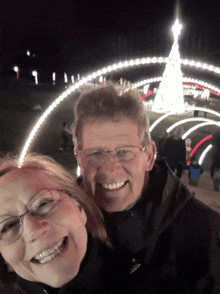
(35, 228)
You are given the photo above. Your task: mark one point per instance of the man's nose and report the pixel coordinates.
(110, 162)
(35, 228)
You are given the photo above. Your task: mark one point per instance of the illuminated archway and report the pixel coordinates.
(172, 112)
(199, 144)
(204, 153)
(98, 73)
(183, 121)
(187, 133)
(197, 83)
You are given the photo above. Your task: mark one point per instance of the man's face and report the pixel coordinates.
(115, 185)
(50, 249)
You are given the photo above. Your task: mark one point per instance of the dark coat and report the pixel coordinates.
(172, 238)
(174, 152)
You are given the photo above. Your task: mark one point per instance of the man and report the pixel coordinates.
(174, 151)
(171, 239)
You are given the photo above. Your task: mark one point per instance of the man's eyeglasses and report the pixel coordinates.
(95, 157)
(42, 206)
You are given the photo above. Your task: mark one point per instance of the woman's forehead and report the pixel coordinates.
(25, 180)
(18, 187)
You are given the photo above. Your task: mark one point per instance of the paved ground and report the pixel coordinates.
(204, 191)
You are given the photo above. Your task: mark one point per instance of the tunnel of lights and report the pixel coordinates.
(194, 83)
(106, 70)
(200, 143)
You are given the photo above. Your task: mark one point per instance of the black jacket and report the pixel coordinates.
(101, 272)
(174, 151)
(172, 238)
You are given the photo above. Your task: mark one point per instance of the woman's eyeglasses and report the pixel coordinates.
(42, 206)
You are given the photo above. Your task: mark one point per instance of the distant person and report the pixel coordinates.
(65, 138)
(174, 152)
(195, 113)
(195, 171)
(188, 149)
(216, 179)
(214, 172)
(162, 139)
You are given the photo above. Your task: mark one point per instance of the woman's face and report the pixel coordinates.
(62, 236)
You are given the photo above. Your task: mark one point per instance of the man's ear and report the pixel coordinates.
(150, 156)
(78, 158)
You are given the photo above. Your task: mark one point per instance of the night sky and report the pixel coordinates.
(84, 35)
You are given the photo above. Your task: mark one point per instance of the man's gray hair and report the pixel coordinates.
(110, 103)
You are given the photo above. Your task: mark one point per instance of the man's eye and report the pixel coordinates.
(123, 151)
(98, 153)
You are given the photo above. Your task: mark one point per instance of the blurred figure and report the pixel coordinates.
(188, 149)
(174, 152)
(195, 171)
(162, 139)
(65, 134)
(215, 167)
(216, 179)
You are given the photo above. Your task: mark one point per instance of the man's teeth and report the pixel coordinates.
(113, 186)
(50, 253)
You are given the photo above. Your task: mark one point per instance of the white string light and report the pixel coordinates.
(103, 71)
(186, 109)
(184, 121)
(184, 79)
(204, 154)
(194, 128)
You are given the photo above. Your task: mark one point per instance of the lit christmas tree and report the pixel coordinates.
(170, 93)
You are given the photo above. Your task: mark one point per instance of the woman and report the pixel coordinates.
(51, 234)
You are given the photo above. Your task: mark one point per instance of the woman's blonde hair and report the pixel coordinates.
(67, 182)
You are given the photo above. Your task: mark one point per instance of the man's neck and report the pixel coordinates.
(116, 205)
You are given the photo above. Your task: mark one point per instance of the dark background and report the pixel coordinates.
(80, 36)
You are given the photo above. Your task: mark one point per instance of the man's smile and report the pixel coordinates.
(113, 186)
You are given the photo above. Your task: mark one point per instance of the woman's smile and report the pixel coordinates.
(51, 253)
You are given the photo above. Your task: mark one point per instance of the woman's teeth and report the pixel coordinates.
(49, 254)
(113, 186)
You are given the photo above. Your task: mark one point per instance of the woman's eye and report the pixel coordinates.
(44, 203)
(9, 226)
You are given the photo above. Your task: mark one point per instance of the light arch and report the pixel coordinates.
(98, 73)
(208, 86)
(173, 112)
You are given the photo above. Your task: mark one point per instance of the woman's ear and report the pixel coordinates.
(83, 215)
(150, 152)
